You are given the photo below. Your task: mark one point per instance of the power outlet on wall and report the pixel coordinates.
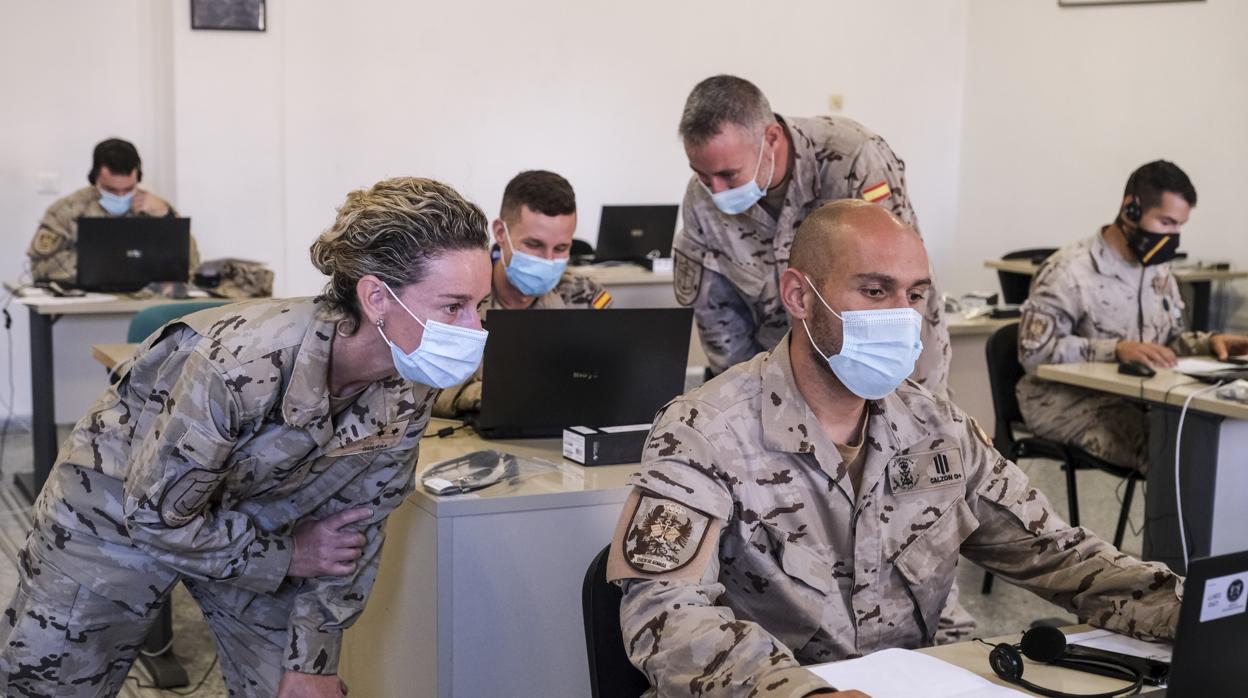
(46, 184)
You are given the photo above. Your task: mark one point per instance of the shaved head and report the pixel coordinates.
(850, 255)
(843, 238)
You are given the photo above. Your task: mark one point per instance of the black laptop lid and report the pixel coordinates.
(1211, 648)
(549, 369)
(633, 233)
(126, 254)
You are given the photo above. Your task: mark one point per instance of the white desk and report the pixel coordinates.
(43, 312)
(479, 594)
(1213, 472)
(1199, 279)
(968, 366)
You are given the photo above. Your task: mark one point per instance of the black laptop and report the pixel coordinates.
(634, 233)
(126, 254)
(1212, 642)
(548, 369)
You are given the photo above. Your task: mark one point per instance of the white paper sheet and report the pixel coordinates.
(1197, 364)
(899, 673)
(1113, 642)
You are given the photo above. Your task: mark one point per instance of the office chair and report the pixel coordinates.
(1004, 372)
(147, 321)
(1015, 287)
(611, 675)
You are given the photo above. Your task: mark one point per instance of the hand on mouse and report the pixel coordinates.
(1226, 345)
(1146, 353)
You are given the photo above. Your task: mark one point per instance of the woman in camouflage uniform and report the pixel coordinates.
(253, 452)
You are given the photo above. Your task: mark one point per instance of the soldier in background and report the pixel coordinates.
(532, 244)
(1112, 297)
(809, 506)
(253, 453)
(757, 175)
(114, 177)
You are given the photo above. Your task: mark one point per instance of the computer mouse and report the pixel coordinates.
(1136, 368)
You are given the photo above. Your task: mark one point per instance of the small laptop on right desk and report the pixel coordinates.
(1211, 647)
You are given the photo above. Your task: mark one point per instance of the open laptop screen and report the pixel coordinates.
(549, 369)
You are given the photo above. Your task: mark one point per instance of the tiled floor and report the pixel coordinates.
(1007, 610)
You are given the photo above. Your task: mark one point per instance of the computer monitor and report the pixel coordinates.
(634, 233)
(545, 370)
(126, 254)
(1212, 639)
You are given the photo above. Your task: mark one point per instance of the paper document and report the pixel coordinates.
(905, 673)
(1202, 365)
(1113, 642)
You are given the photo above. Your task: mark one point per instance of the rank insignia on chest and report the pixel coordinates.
(925, 471)
(663, 535)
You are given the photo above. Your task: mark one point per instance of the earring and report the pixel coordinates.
(381, 322)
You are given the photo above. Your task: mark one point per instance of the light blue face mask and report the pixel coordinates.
(740, 199)
(116, 205)
(878, 348)
(448, 355)
(530, 274)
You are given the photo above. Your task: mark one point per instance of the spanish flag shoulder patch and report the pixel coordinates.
(601, 300)
(877, 192)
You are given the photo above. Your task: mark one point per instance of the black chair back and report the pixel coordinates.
(1004, 373)
(1016, 287)
(580, 248)
(611, 675)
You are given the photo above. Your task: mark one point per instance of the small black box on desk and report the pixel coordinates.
(606, 445)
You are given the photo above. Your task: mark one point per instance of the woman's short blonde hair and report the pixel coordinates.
(391, 231)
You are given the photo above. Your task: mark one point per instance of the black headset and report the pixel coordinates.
(1132, 210)
(1048, 645)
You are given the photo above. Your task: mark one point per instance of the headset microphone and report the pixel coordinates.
(1048, 645)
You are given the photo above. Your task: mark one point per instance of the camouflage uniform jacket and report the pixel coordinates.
(53, 252)
(572, 291)
(215, 442)
(1084, 300)
(728, 267)
(801, 571)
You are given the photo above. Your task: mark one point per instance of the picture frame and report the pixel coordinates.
(1094, 3)
(229, 15)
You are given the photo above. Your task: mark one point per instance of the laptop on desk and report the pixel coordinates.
(544, 370)
(636, 233)
(1212, 641)
(126, 254)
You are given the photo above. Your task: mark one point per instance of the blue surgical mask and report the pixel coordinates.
(740, 199)
(448, 355)
(878, 348)
(115, 205)
(530, 274)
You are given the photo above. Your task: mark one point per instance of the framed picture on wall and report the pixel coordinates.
(228, 15)
(1084, 3)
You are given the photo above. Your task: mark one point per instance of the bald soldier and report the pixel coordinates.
(757, 175)
(807, 506)
(532, 244)
(1112, 297)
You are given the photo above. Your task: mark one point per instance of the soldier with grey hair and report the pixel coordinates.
(757, 175)
(253, 452)
(810, 504)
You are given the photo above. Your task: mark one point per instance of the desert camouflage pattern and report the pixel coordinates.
(804, 569)
(728, 267)
(237, 279)
(53, 252)
(1084, 300)
(195, 466)
(572, 291)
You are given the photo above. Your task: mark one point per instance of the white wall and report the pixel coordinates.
(1061, 106)
(258, 136)
(74, 72)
